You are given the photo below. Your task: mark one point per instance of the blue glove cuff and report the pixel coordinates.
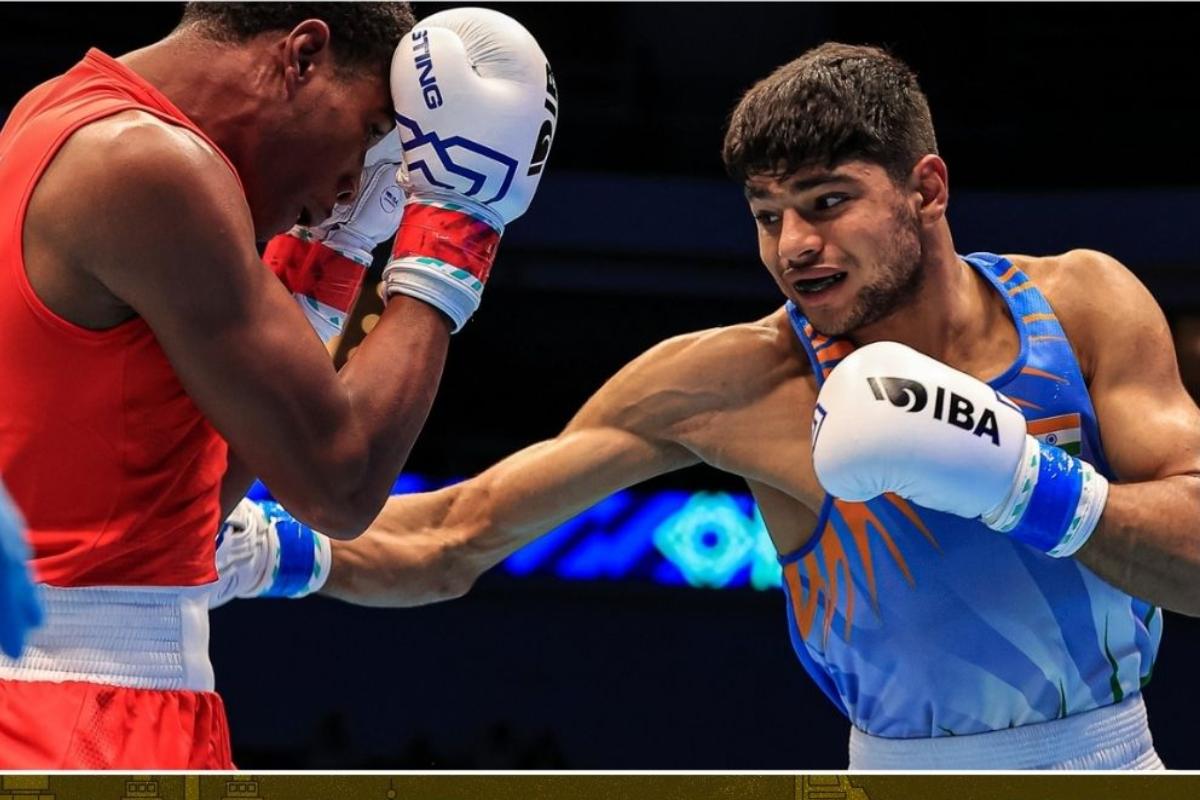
(1064, 506)
(296, 565)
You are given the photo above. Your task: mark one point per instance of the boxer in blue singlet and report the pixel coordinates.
(978, 480)
(931, 648)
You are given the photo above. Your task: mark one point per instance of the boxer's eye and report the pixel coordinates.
(766, 218)
(826, 202)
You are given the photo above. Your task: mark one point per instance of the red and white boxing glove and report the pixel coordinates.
(890, 419)
(476, 105)
(324, 265)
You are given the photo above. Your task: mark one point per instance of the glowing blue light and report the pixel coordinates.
(708, 539)
(702, 539)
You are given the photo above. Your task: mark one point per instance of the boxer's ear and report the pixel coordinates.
(305, 48)
(930, 181)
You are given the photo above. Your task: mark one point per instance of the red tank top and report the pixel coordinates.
(115, 469)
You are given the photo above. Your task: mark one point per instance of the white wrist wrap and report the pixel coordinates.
(1004, 517)
(1093, 496)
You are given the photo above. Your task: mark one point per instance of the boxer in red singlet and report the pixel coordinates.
(143, 343)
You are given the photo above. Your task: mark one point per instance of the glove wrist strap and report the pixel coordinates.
(302, 560)
(324, 281)
(351, 246)
(454, 292)
(449, 232)
(1056, 502)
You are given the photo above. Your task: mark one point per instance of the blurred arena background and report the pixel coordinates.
(648, 635)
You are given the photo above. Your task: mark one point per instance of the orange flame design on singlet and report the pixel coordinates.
(831, 552)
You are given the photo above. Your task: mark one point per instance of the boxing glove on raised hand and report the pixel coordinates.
(890, 419)
(324, 265)
(476, 106)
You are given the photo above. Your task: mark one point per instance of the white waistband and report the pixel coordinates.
(1113, 737)
(143, 638)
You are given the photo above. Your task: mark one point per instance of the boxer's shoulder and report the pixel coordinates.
(728, 359)
(133, 152)
(1096, 299)
(1060, 276)
(165, 180)
(689, 378)
(105, 191)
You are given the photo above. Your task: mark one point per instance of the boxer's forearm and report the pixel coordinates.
(430, 547)
(391, 383)
(405, 558)
(370, 573)
(237, 481)
(1148, 542)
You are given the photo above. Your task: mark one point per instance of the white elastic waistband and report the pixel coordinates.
(1113, 737)
(143, 638)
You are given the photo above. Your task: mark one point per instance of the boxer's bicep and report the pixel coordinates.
(546, 484)
(1149, 424)
(1149, 431)
(1145, 542)
(624, 434)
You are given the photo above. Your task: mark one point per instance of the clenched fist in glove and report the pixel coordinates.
(475, 108)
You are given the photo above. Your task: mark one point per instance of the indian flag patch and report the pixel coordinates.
(1062, 432)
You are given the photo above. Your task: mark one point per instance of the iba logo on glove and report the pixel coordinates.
(948, 406)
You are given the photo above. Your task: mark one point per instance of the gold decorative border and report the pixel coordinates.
(599, 787)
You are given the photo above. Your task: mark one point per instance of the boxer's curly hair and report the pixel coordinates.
(835, 103)
(363, 35)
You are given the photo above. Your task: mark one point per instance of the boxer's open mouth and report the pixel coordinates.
(813, 285)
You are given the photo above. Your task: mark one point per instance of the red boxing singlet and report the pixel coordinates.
(114, 468)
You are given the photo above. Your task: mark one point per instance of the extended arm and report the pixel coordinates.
(426, 548)
(429, 547)
(727, 396)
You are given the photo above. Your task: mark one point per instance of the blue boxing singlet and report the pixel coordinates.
(920, 624)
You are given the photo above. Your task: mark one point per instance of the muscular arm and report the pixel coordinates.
(424, 548)
(1148, 540)
(235, 483)
(156, 218)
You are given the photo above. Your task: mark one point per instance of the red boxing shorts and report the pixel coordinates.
(90, 726)
(117, 678)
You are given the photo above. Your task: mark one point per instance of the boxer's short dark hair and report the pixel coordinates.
(363, 35)
(835, 103)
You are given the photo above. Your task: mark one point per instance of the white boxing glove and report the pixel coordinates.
(890, 419)
(476, 106)
(263, 552)
(355, 229)
(324, 265)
